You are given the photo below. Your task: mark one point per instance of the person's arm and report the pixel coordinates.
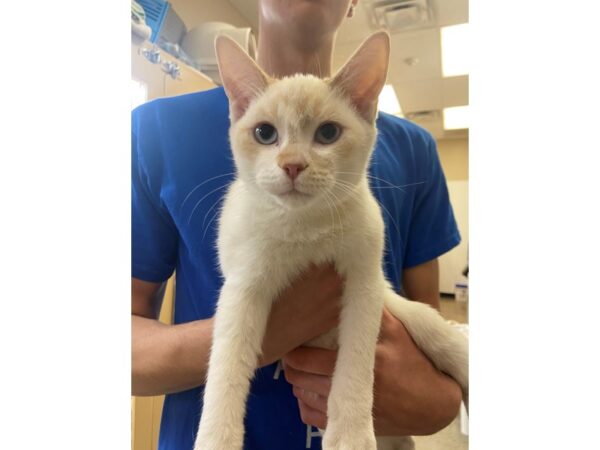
(172, 358)
(422, 283)
(165, 358)
(411, 396)
(422, 400)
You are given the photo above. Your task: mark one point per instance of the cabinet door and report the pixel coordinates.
(189, 80)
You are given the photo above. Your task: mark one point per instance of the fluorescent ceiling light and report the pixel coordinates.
(456, 118)
(455, 50)
(388, 102)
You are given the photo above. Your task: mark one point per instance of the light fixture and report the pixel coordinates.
(456, 118)
(454, 50)
(388, 101)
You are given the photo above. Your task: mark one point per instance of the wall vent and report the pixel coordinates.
(399, 15)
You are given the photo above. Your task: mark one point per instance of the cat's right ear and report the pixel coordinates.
(364, 74)
(242, 79)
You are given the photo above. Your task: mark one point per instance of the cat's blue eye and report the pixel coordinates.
(328, 133)
(265, 134)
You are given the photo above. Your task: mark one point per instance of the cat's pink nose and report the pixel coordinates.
(293, 170)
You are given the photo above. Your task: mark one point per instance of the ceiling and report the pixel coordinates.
(420, 87)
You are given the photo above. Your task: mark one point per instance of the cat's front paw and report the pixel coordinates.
(224, 438)
(346, 438)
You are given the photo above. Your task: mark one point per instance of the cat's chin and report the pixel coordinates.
(293, 199)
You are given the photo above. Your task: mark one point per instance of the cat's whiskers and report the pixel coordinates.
(330, 212)
(344, 186)
(391, 218)
(350, 188)
(201, 184)
(336, 199)
(399, 187)
(342, 183)
(211, 208)
(200, 201)
(390, 185)
(215, 215)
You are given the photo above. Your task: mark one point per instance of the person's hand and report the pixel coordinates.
(309, 307)
(411, 396)
(309, 370)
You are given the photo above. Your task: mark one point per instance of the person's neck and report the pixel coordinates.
(280, 56)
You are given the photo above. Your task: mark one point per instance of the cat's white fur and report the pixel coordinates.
(267, 238)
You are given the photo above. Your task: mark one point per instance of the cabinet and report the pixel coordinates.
(160, 84)
(146, 411)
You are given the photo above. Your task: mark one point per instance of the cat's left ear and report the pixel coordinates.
(242, 79)
(364, 74)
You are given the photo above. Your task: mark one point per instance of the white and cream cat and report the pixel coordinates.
(302, 147)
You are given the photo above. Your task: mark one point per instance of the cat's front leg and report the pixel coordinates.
(350, 402)
(239, 328)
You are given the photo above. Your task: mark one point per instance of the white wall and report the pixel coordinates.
(453, 263)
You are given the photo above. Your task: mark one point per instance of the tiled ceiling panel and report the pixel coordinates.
(450, 12)
(419, 95)
(416, 55)
(455, 91)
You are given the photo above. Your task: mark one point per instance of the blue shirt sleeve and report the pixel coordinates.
(433, 229)
(154, 237)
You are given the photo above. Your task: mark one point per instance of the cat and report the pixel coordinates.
(302, 146)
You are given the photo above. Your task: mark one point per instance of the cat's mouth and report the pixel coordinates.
(293, 192)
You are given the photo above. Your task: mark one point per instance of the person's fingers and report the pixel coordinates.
(312, 399)
(321, 384)
(318, 361)
(311, 416)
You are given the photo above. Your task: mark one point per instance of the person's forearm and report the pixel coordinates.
(422, 283)
(411, 396)
(417, 419)
(168, 358)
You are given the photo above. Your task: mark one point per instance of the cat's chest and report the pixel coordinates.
(259, 253)
(254, 241)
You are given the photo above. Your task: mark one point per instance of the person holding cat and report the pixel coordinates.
(181, 168)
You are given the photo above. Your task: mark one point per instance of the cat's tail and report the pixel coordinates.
(446, 346)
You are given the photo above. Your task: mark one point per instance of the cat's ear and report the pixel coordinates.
(242, 79)
(364, 74)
